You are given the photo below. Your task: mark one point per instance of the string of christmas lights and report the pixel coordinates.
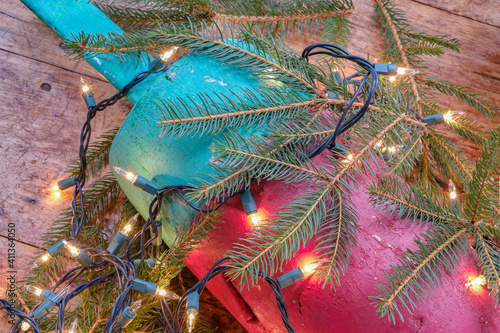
(124, 268)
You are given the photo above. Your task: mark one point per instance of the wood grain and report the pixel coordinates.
(38, 127)
(22, 33)
(485, 11)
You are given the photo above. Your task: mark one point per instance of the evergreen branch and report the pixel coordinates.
(211, 113)
(97, 155)
(187, 239)
(410, 202)
(447, 158)
(133, 15)
(288, 166)
(486, 108)
(280, 237)
(463, 126)
(479, 201)
(215, 189)
(419, 271)
(423, 50)
(430, 107)
(247, 49)
(282, 18)
(388, 20)
(466, 128)
(333, 246)
(336, 30)
(443, 41)
(488, 256)
(99, 199)
(400, 165)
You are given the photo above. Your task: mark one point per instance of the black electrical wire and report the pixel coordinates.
(214, 271)
(23, 317)
(344, 125)
(85, 135)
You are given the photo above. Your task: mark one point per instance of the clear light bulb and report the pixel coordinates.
(54, 191)
(85, 85)
(167, 294)
(41, 260)
(25, 326)
(255, 219)
(75, 252)
(453, 190)
(73, 328)
(392, 78)
(392, 149)
(406, 71)
(308, 269)
(63, 292)
(479, 281)
(32, 289)
(165, 56)
(450, 115)
(348, 158)
(191, 319)
(132, 310)
(125, 174)
(130, 225)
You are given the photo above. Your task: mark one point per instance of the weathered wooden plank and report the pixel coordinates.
(485, 11)
(22, 33)
(39, 136)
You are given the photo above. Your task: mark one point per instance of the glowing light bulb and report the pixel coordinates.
(25, 326)
(450, 115)
(348, 158)
(392, 149)
(73, 328)
(479, 281)
(453, 190)
(85, 85)
(165, 56)
(255, 219)
(406, 71)
(41, 260)
(167, 294)
(309, 268)
(132, 310)
(126, 174)
(130, 225)
(191, 319)
(54, 191)
(392, 78)
(379, 144)
(32, 289)
(75, 252)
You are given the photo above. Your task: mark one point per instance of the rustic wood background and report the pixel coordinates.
(41, 109)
